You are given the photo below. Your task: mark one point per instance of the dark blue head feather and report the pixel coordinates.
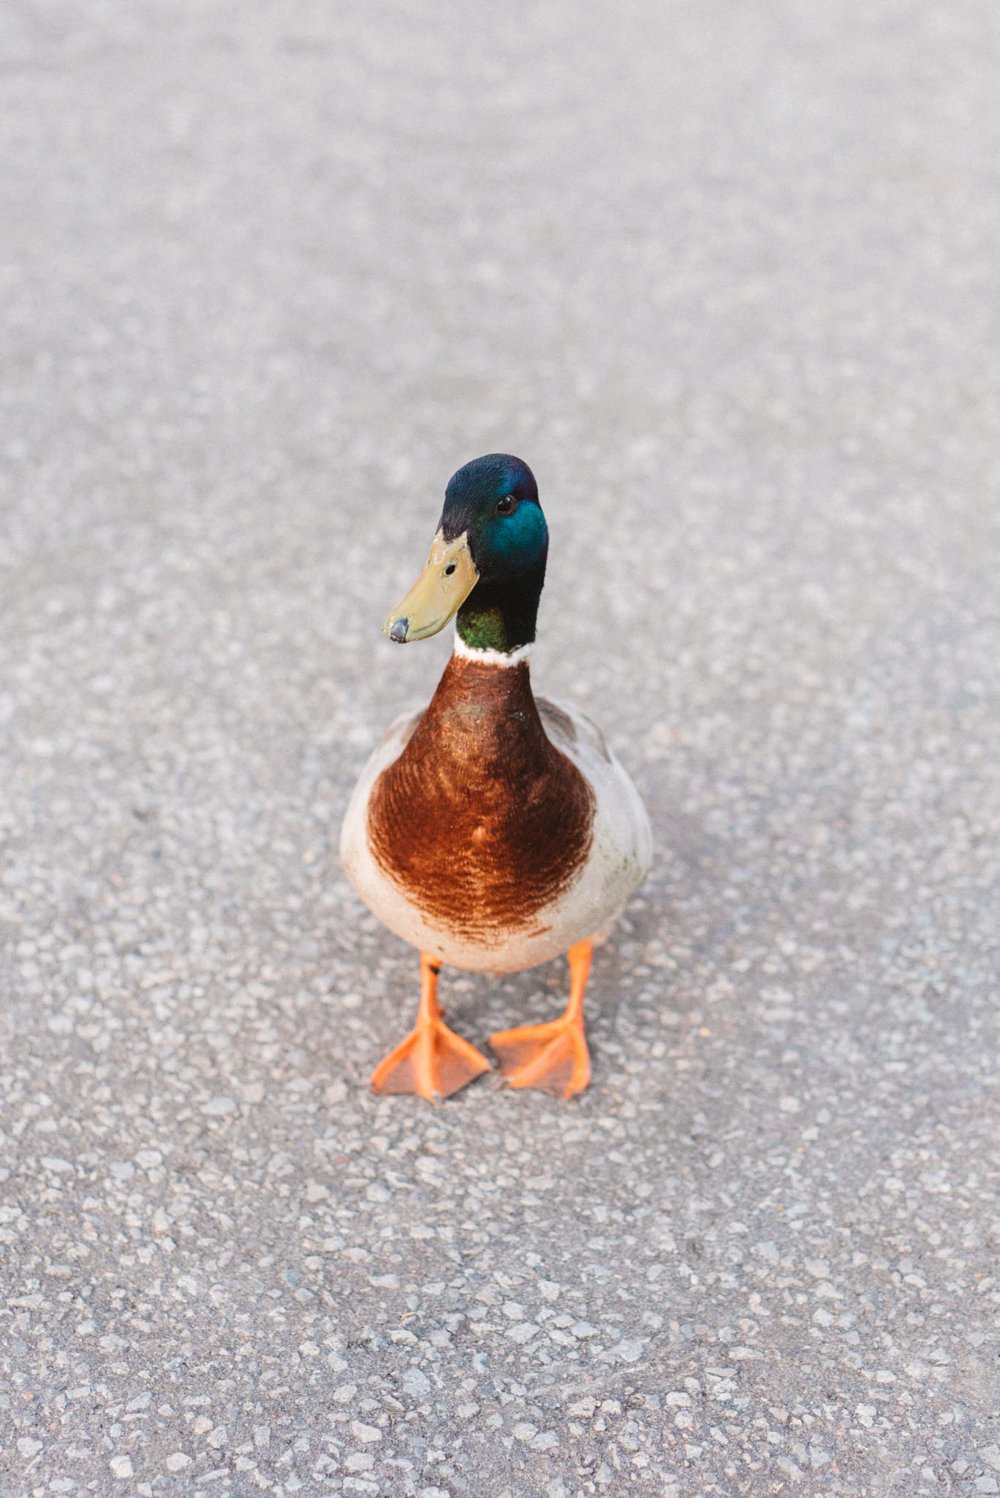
(494, 502)
(480, 483)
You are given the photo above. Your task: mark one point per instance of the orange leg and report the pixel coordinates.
(432, 1061)
(552, 1056)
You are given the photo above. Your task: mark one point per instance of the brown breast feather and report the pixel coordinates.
(481, 820)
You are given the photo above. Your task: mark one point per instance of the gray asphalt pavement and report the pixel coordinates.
(728, 278)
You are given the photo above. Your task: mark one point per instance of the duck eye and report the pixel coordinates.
(505, 505)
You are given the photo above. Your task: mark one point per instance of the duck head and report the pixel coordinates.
(486, 563)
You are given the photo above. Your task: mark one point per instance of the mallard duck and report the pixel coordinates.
(491, 830)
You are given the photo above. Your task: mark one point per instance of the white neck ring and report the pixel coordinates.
(490, 657)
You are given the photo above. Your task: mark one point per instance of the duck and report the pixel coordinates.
(492, 830)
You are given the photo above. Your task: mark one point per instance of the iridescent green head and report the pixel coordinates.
(487, 561)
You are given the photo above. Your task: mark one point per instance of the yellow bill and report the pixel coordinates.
(438, 593)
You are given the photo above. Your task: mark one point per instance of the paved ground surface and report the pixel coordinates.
(727, 276)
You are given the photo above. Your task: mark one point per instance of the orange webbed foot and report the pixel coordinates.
(432, 1062)
(552, 1056)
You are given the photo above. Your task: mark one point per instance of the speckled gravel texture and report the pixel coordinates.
(728, 277)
